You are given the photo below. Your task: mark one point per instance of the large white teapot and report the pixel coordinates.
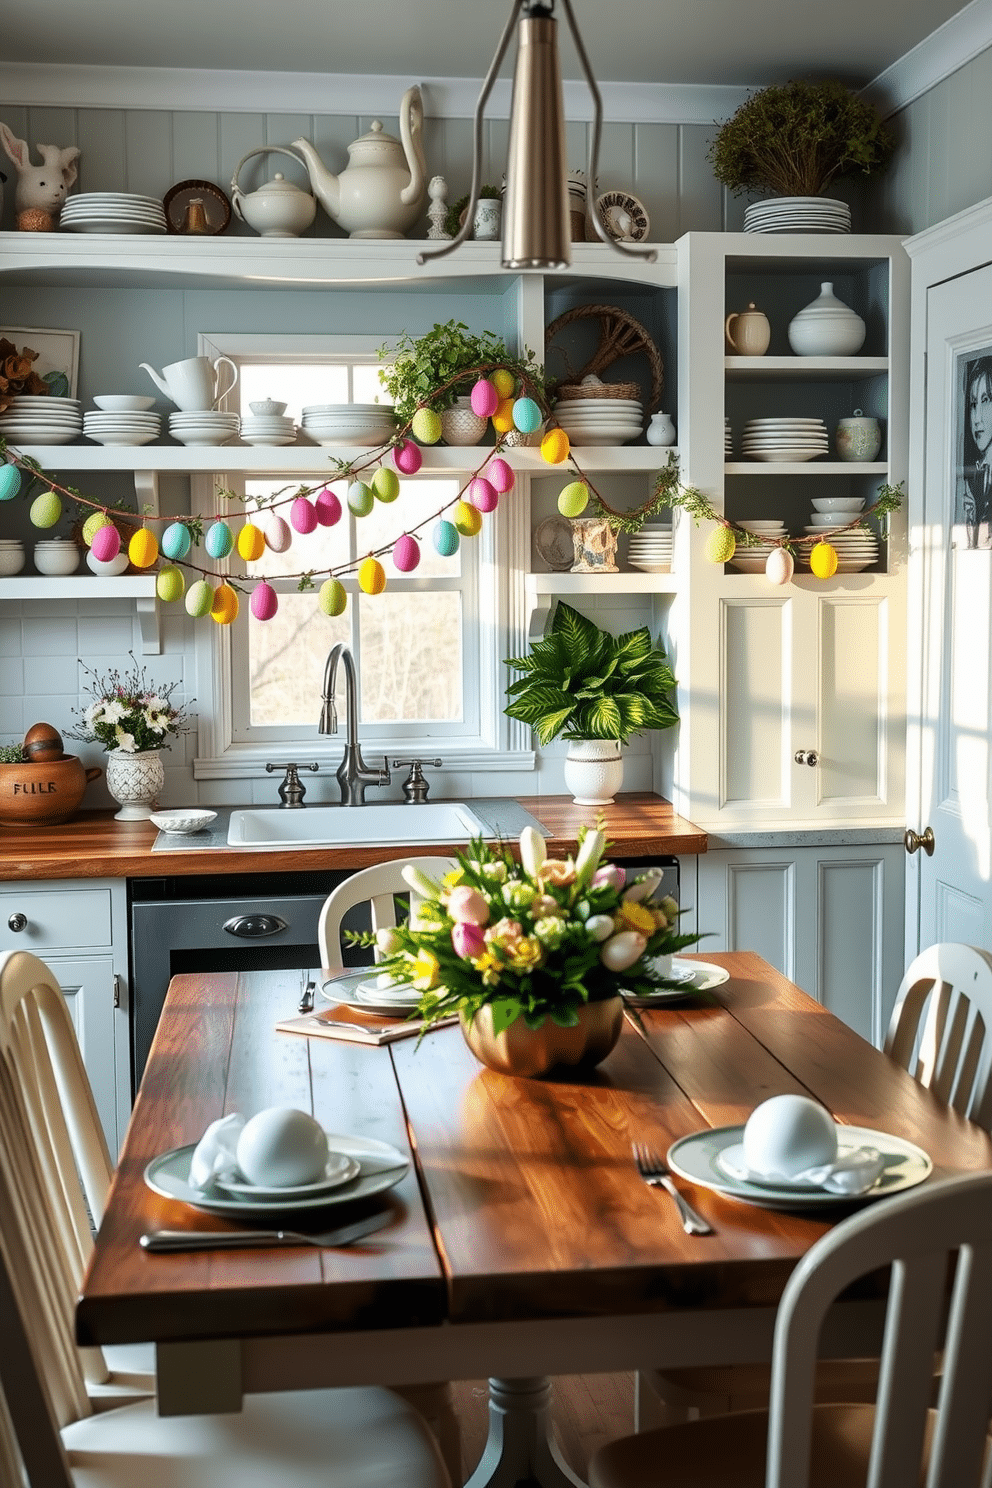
(381, 192)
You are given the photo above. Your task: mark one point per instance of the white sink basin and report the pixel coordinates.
(354, 826)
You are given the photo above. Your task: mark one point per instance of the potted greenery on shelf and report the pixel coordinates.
(794, 139)
(596, 690)
(423, 370)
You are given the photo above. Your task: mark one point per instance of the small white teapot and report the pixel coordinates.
(278, 209)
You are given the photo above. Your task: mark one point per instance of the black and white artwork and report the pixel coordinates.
(973, 499)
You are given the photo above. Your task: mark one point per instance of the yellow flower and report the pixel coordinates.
(525, 953)
(557, 872)
(489, 968)
(425, 968)
(637, 917)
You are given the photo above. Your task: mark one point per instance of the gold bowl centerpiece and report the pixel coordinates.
(533, 955)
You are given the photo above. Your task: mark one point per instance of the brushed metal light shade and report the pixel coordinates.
(536, 233)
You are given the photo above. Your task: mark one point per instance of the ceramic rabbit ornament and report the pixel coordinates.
(40, 186)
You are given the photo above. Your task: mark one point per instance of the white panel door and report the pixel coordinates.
(955, 883)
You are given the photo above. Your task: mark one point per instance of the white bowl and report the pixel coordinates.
(263, 406)
(107, 568)
(184, 821)
(850, 504)
(123, 402)
(11, 558)
(55, 557)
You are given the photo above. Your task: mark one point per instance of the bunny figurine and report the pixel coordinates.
(40, 188)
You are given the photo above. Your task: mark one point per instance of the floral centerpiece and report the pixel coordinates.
(129, 713)
(528, 952)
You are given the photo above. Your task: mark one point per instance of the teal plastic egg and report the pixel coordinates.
(446, 539)
(218, 542)
(526, 415)
(175, 541)
(10, 482)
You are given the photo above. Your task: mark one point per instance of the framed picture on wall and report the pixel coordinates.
(973, 498)
(57, 362)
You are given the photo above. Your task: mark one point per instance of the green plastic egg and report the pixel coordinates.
(46, 509)
(573, 499)
(360, 498)
(386, 484)
(199, 599)
(169, 584)
(332, 597)
(92, 525)
(426, 426)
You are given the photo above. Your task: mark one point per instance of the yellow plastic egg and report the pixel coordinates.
(503, 417)
(225, 605)
(426, 426)
(251, 542)
(92, 525)
(170, 584)
(46, 509)
(332, 597)
(372, 577)
(143, 548)
(823, 560)
(467, 518)
(555, 446)
(504, 382)
(721, 545)
(573, 499)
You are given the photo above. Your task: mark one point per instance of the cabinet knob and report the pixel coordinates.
(807, 757)
(17, 922)
(913, 841)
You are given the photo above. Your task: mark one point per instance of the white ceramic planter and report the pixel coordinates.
(459, 425)
(135, 782)
(594, 771)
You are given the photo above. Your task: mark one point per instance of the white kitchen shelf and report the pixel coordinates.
(139, 587)
(806, 467)
(605, 583)
(804, 369)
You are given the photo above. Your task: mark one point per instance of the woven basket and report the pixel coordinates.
(620, 336)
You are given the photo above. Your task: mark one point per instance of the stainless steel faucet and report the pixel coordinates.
(353, 774)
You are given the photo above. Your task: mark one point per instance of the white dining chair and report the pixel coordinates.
(895, 1443)
(377, 887)
(302, 1439)
(941, 1032)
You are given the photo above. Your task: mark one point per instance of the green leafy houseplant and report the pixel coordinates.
(793, 139)
(580, 682)
(423, 370)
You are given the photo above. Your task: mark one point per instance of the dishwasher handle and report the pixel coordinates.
(255, 926)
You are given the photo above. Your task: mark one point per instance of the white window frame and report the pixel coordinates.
(503, 555)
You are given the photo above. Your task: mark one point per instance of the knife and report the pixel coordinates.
(170, 1240)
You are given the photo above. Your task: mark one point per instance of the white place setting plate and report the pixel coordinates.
(339, 1168)
(381, 1167)
(692, 976)
(697, 1158)
(356, 989)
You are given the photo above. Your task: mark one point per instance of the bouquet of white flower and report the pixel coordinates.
(128, 713)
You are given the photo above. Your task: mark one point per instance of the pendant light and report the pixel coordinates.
(536, 233)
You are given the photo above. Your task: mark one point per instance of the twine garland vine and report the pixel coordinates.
(629, 521)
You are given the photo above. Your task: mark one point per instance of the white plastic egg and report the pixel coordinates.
(282, 1148)
(788, 1134)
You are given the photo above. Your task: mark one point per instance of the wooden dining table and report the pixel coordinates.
(522, 1243)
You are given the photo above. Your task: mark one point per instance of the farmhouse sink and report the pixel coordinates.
(354, 826)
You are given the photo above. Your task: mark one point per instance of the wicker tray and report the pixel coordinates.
(620, 336)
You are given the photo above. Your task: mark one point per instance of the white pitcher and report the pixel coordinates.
(194, 383)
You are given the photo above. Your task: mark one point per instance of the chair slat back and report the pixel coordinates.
(941, 1027)
(11, 1467)
(920, 1234)
(376, 886)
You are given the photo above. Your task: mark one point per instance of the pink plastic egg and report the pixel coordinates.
(406, 553)
(485, 398)
(276, 531)
(500, 475)
(106, 543)
(327, 507)
(302, 515)
(407, 457)
(482, 495)
(264, 601)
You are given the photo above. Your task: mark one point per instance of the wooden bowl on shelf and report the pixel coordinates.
(43, 793)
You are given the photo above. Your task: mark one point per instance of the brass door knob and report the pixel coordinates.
(913, 841)
(807, 757)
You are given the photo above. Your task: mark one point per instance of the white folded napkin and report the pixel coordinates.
(214, 1155)
(854, 1171)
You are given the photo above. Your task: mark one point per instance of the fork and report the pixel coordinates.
(656, 1175)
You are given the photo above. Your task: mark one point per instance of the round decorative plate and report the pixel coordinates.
(178, 208)
(553, 541)
(692, 976)
(623, 216)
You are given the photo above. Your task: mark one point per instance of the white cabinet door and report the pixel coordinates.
(829, 918)
(87, 984)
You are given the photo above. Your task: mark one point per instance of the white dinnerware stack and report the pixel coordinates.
(816, 214)
(122, 426)
(753, 560)
(600, 421)
(267, 428)
(113, 212)
(206, 426)
(728, 440)
(361, 424)
(39, 419)
(650, 550)
(857, 548)
(784, 439)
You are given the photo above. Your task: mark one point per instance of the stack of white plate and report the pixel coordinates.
(728, 440)
(36, 419)
(600, 421)
(651, 549)
(207, 427)
(856, 549)
(816, 214)
(361, 424)
(267, 428)
(753, 560)
(124, 426)
(784, 439)
(113, 212)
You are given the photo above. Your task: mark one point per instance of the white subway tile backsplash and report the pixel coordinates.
(44, 636)
(11, 676)
(105, 635)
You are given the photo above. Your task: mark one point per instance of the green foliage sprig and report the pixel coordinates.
(423, 371)
(11, 754)
(666, 482)
(793, 139)
(887, 500)
(580, 682)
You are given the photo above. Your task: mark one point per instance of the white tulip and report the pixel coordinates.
(589, 854)
(533, 851)
(638, 891)
(420, 883)
(388, 941)
(621, 951)
(600, 927)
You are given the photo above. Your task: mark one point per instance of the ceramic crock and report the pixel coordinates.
(858, 438)
(520, 1050)
(826, 327)
(45, 793)
(135, 782)
(460, 424)
(747, 333)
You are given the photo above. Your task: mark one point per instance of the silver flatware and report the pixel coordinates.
(305, 1004)
(656, 1175)
(171, 1240)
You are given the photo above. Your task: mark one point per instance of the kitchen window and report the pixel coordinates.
(429, 650)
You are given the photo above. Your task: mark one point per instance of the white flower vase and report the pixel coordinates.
(461, 425)
(594, 771)
(135, 781)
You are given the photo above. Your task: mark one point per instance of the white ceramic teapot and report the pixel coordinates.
(278, 209)
(194, 383)
(382, 191)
